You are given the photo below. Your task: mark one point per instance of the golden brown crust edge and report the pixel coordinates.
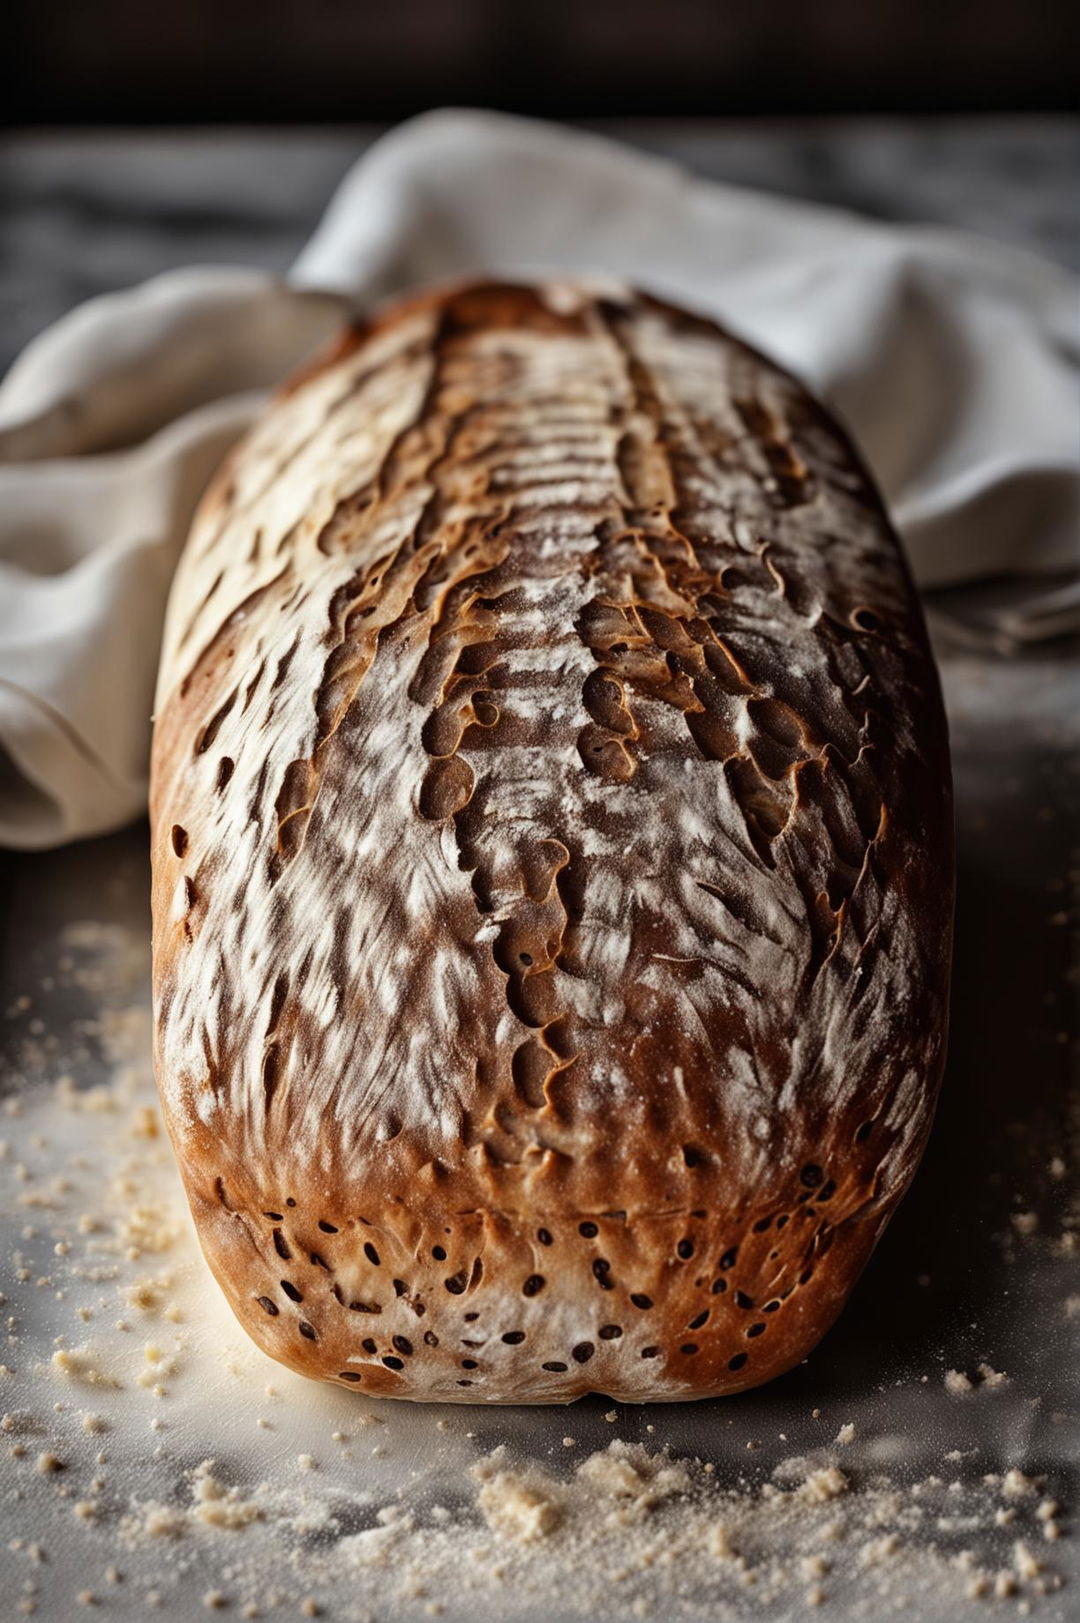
(548, 657)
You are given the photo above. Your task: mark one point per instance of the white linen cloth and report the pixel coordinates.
(953, 359)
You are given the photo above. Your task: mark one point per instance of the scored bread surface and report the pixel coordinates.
(552, 859)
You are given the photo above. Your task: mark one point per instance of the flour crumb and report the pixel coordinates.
(1015, 1485)
(156, 1521)
(219, 1506)
(1027, 1567)
(879, 1550)
(823, 1484)
(633, 1478)
(517, 1505)
(718, 1542)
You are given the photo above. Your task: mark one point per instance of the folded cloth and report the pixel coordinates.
(953, 359)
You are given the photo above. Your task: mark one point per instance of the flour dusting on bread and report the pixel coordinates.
(552, 848)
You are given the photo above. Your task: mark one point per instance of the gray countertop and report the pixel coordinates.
(982, 1265)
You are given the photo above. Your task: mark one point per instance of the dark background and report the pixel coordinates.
(283, 61)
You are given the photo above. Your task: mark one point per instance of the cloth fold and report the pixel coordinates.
(954, 360)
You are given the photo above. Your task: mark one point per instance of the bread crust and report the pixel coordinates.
(552, 849)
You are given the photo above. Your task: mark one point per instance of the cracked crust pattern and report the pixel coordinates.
(552, 859)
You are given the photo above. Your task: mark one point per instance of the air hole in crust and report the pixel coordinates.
(514, 1338)
(543, 1236)
(400, 1287)
(729, 1259)
(555, 1367)
(291, 1291)
(756, 1329)
(402, 1345)
(650, 1352)
(275, 1217)
(610, 1332)
(691, 1156)
(393, 1363)
(430, 1339)
(327, 1228)
(685, 1248)
(689, 1348)
(456, 1284)
(281, 1246)
(863, 1133)
(289, 1201)
(469, 1363)
(827, 1191)
(371, 1254)
(533, 1285)
(742, 1300)
(349, 1375)
(719, 1286)
(811, 1175)
(582, 1352)
(226, 767)
(307, 1330)
(589, 1230)
(438, 1253)
(179, 839)
(639, 1299)
(364, 1307)
(369, 1345)
(695, 1324)
(738, 1361)
(866, 620)
(762, 1224)
(601, 1269)
(268, 1306)
(771, 1307)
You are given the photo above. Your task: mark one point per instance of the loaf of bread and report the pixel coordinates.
(552, 859)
